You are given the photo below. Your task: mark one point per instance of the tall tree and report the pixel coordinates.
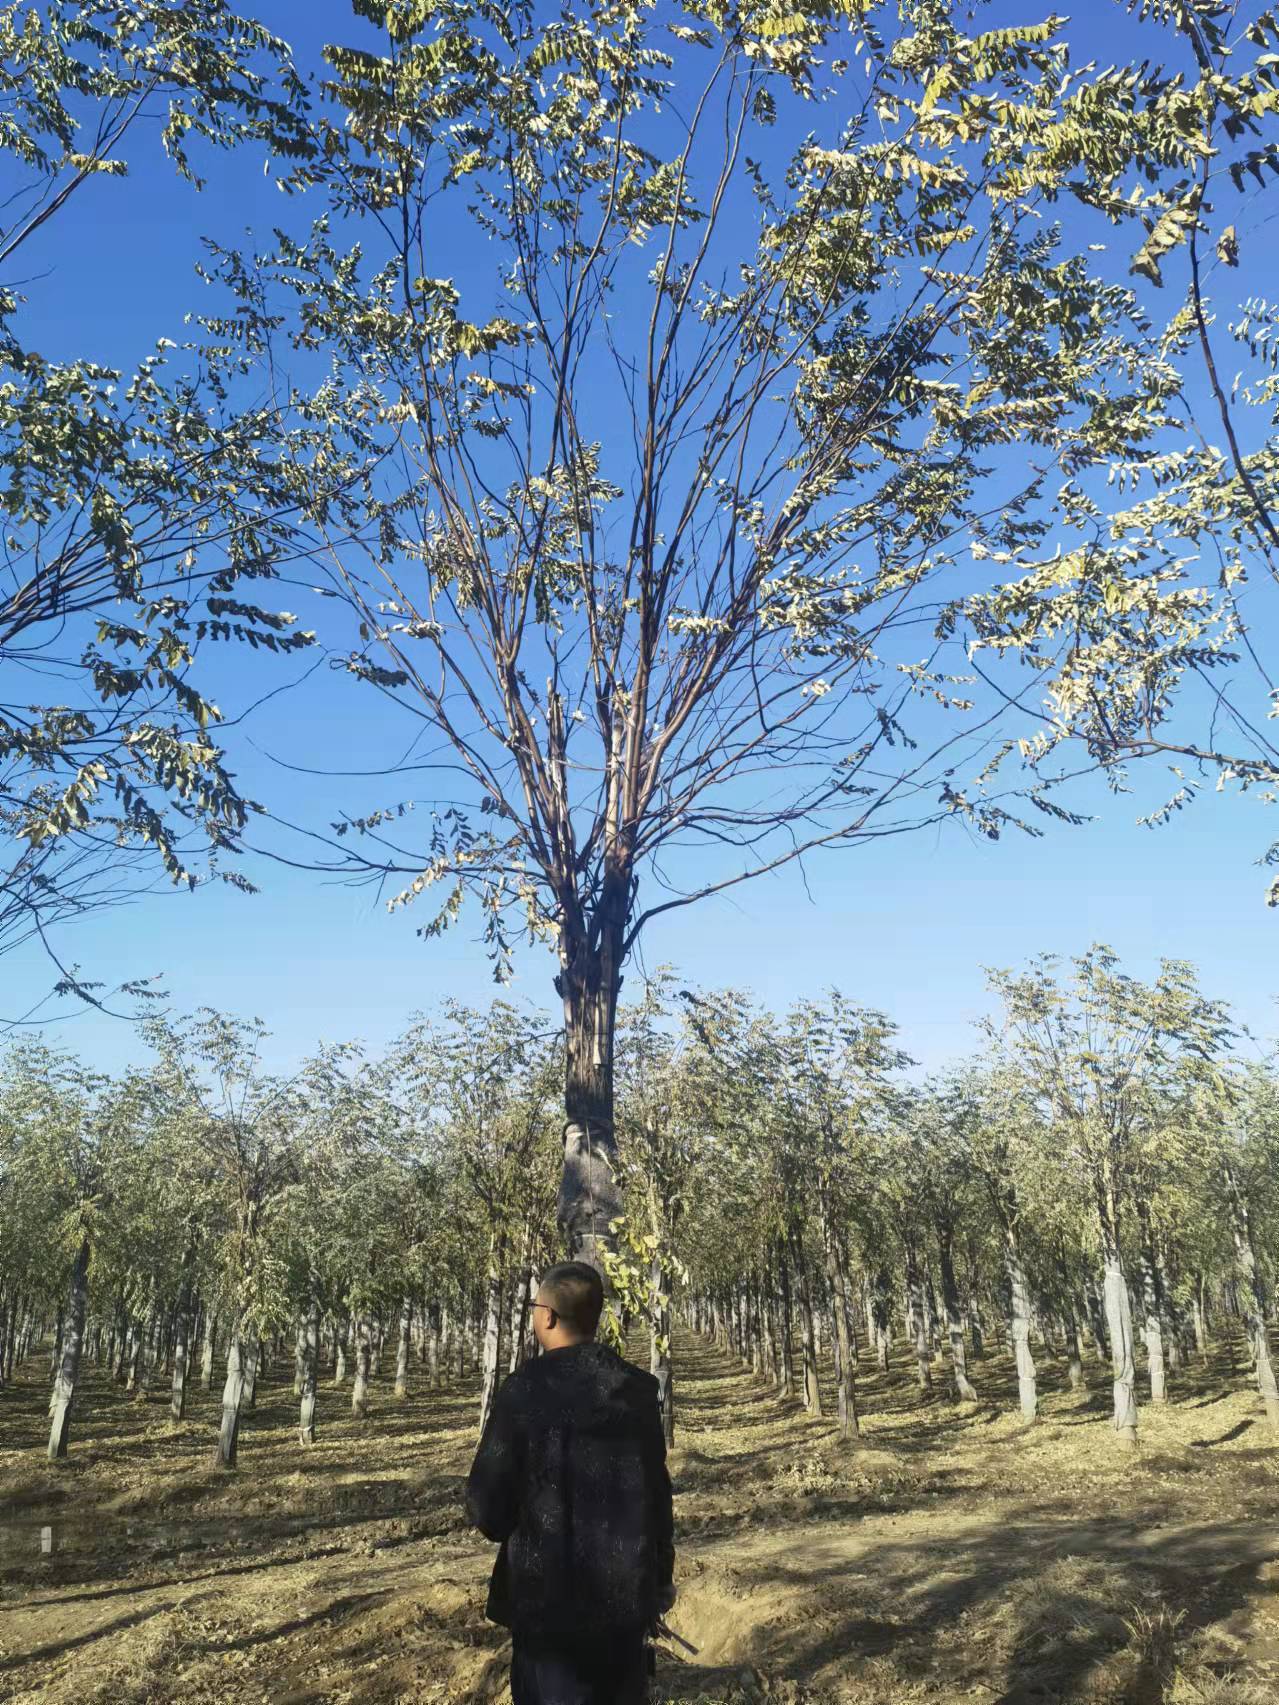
(137, 505)
(1153, 632)
(680, 472)
(245, 1123)
(1103, 1052)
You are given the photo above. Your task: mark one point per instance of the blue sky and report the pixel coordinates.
(906, 925)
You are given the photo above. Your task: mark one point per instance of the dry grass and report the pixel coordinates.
(953, 1556)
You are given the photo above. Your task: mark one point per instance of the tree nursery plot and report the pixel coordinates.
(969, 1380)
(956, 1553)
(697, 438)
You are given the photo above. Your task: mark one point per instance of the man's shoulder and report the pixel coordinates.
(644, 1381)
(536, 1373)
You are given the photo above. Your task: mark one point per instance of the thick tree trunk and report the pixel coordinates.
(808, 1336)
(954, 1313)
(363, 1357)
(181, 1354)
(137, 1354)
(119, 1368)
(402, 1348)
(1118, 1305)
(340, 1330)
(227, 1448)
(490, 1363)
(72, 1343)
(1253, 1298)
(1152, 1324)
(253, 1358)
(930, 1317)
(208, 1349)
(659, 1347)
(147, 1354)
(310, 1349)
(433, 1346)
(520, 1300)
(56, 1354)
(1019, 1323)
(299, 1353)
(1199, 1317)
(841, 1335)
(917, 1325)
(881, 1303)
(787, 1339)
(1074, 1335)
(588, 983)
(1119, 1327)
(1074, 1349)
(768, 1325)
(457, 1342)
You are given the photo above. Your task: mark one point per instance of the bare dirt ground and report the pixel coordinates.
(954, 1555)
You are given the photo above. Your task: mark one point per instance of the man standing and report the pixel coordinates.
(571, 1477)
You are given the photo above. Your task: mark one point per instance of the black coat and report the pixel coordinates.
(571, 1477)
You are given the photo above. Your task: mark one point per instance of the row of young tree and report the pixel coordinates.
(1104, 1172)
(821, 391)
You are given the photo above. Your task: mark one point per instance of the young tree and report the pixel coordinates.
(837, 1061)
(53, 1185)
(1241, 1130)
(667, 1083)
(244, 1123)
(1104, 1054)
(489, 1079)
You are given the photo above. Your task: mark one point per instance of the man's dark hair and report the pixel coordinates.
(576, 1293)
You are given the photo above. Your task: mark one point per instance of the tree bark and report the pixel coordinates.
(72, 1343)
(1254, 1297)
(402, 1348)
(917, 1325)
(1199, 1317)
(433, 1347)
(812, 1390)
(787, 1340)
(363, 1355)
(181, 1354)
(1152, 1324)
(881, 1304)
(520, 1300)
(768, 1323)
(310, 1353)
(252, 1366)
(659, 1348)
(299, 1353)
(208, 1349)
(56, 1355)
(119, 1369)
(226, 1450)
(588, 984)
(1019, 1323)
(841, 1336)
(489, 1366)
(1118, 1306)
(954, 1313)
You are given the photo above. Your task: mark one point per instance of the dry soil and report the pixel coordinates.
(954, 1554)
